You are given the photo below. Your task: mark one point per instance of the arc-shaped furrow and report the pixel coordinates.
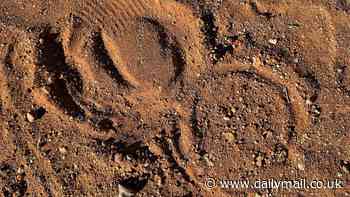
(107, 63)
(167, 149)
(8, 57)
(163, 38)
(134, 184)
(122, 14)
(169, 43)
(99, 58)
(281, 87)
(64, 82)
(210, 30)
(296, 114)
(114, 59)
(302, 117)
(179, 61)
(206, 133)
(298, 109)
(75, 39)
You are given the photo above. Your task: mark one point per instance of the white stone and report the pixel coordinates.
(30, 117)
(273, 41)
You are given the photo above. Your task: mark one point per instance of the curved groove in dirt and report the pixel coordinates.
(298, 117)
(107, 63)
(120, 70)
(63, 80)
(85, 69)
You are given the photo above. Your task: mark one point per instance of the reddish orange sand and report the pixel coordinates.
(156, 97)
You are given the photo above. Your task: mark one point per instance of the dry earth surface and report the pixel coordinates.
(153, 97)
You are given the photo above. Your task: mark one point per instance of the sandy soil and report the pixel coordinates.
(154, 97)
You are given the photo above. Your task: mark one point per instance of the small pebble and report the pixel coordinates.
(62, 150)
(273, 41)
(128, 157)
(158, 180)
(339, 174)
(124, 192)
(295, 60)
(118, 158)
(226, 118)
(259, 160)
(301, 166)
(308, 102)
(30, 117)
(233, 110)
(49, 80)
(339, 70)
(207, 160)
(229, 137)
(45, 90)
